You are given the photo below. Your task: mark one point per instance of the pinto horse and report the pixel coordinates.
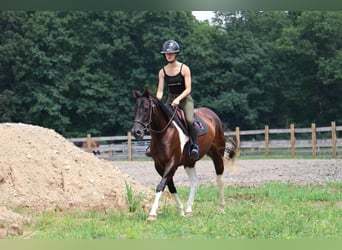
(89, 147)
(170, 146)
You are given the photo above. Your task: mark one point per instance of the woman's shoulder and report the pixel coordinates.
(161, 71)
(185, 67)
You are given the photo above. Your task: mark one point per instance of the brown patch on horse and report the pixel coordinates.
(92, 147)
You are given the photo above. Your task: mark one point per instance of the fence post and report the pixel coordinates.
(313, 139)
(129, 146)
(267, 139)
(88, 142)
(333, 138)
(237, 136)
(292, 140)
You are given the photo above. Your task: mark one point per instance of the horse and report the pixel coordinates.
(92, 147)
(170, 146)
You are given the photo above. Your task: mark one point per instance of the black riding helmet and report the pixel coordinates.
(170, 46)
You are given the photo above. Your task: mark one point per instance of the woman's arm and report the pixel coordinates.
(187, 78)
(160, 90)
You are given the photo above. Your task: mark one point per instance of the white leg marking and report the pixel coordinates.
(193, 187)
(179, 204)
(220, 185)
(154, 208)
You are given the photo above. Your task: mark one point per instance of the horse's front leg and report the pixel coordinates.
(173, 191)
(191, 172)
(167, 175)
(159, 191)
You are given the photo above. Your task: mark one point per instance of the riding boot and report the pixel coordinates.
(194, 149)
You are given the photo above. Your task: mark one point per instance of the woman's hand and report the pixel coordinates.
(175, 102)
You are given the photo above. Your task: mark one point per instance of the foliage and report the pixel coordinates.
(133, 200)
(73, 71)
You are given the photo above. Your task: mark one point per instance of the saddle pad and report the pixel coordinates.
(201, 126)
(179, 118)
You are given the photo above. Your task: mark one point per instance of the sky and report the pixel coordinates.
(203, 15)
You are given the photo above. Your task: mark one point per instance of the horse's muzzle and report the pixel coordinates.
(138, 133)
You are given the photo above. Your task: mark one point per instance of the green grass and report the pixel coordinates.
(133, 200)
(271, 211)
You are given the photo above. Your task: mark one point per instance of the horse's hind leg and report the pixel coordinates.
(219, 169)
(191, 172)
(220, 185)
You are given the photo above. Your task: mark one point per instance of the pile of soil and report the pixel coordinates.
(41, 170)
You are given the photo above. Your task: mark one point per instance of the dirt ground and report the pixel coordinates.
(250, 172)
(40, 170)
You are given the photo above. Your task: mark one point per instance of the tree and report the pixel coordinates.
(309, 50)
(73, 71)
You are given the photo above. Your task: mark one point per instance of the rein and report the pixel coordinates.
(147, 126)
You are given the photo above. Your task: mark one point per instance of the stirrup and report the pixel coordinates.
(148, 152)
(194, 151)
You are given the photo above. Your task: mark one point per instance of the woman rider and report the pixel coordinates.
(177, 76)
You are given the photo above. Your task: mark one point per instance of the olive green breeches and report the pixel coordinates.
(187, 105)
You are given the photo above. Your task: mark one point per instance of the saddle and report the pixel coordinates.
(200, 125)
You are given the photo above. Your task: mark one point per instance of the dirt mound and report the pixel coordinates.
(41, 170)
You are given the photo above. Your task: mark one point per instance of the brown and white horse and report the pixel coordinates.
(170, 145)
(91, 146)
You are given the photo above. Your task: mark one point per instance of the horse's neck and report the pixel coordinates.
(160, 119)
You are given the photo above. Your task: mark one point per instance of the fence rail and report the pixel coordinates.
(322, 141)
(327, 144)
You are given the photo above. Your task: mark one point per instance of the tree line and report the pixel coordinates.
(74, 71)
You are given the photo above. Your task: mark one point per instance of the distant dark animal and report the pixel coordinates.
(94, 145)
(170, 146)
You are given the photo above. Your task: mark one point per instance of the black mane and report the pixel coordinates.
(167, 109)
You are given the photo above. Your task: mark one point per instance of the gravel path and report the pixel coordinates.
(251, 172)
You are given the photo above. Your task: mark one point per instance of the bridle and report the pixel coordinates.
(147, 125)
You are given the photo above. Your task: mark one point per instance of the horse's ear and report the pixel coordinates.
(135, 93)
(147, 93)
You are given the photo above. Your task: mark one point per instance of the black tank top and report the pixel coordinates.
(175, 83)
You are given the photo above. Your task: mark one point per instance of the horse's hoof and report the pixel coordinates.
(152, 217)
(188, 214)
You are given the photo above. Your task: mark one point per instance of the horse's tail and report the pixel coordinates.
(232, 151)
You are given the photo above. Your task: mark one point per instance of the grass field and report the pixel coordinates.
(270, 211)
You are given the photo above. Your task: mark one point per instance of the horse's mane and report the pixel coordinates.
(167, 109)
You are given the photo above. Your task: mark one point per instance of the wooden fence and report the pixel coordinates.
(322, 141)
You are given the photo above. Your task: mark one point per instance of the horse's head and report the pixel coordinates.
(142, 113)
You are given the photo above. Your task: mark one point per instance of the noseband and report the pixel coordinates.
(147, 125)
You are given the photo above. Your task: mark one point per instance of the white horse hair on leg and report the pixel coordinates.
(179, 204)
(191, 172)
(220, 186)
(153, 212)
